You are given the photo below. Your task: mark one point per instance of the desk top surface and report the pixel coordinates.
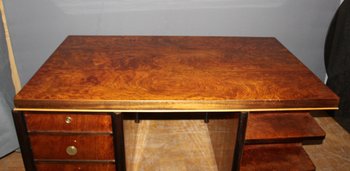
(174, 73)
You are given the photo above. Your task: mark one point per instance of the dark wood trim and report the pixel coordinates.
(118, 138)
(24, 142)
(177, 116)
(69, 133)
(63, 113)
(72, 161)
(242, 126)
(304, 140)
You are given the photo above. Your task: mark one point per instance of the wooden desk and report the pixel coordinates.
(90, 84)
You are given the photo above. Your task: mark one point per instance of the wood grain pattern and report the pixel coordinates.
(281, 157)
(42, 166)
(272, 127)
(179, 73)
(90, 147)
(80, 122)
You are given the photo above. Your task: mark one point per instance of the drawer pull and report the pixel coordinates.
(71, 150)
(68, 120)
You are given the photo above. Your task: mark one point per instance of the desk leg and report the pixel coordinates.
(118, 137)
(23, 139)
(237, 156)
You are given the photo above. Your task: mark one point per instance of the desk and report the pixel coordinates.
(92, 85)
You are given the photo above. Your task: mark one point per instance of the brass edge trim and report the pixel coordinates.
(174, 110)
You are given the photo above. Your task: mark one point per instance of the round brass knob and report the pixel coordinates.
(68, 120)
(71, 150)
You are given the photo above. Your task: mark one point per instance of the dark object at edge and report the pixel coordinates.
(337, 61)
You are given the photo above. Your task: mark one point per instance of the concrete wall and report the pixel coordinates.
(38, 26)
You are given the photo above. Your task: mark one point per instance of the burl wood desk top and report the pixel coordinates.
(155, 73)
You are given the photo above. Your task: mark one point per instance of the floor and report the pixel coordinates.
(334, 152)
(332, 155)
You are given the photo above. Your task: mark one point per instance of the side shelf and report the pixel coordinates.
(289, 156)
(280, 127)
(274, 141)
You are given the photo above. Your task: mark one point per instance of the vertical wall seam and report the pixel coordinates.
(14, 72)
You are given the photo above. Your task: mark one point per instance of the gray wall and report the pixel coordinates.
(8, 139)
(38, 26)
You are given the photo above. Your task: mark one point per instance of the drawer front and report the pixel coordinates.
(68, 122)
(84, 147)
(42, 166)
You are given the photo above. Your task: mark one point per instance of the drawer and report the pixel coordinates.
(80, 147)
(68, 122)
(45, 166)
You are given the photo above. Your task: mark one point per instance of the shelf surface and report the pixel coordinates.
(279, 157)
(274, 127)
